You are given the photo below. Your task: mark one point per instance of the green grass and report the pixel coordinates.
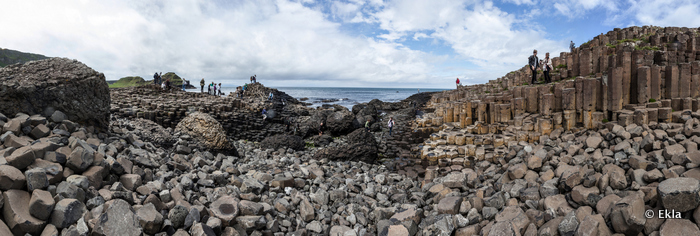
(135, 81)
(652, 100)
(131, 81)
(605, 120)
(310, 145)
(648, 48)
(487, 92)
(525, 84)
(561, 66)
(611, 45)
(9, 57)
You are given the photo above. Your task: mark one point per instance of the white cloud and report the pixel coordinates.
(277, 40)
(496, 41)
(578, 8)
(684, 13)
(521, 2)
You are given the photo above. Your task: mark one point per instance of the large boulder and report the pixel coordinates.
(283, 141)
(207, 130)
(361, 146)
(340, 122)
(70, 86)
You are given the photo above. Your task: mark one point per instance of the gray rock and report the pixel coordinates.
(80, 159)
(36, 179)
(17, 215)
(177, 216)
(150, 219)
(11, 178)
(118, 219)
(200, 229)
(680, 194)
(58, 116)
(67, 212)
(252, 186)
(224, 208)
(314, 226)
(306, 210)
(41, 204)
(568, 225)
(249, 208)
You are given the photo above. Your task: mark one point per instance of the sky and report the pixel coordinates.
(314, 43)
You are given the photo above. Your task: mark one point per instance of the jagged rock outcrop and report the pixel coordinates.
(206, 130)
(57, 83)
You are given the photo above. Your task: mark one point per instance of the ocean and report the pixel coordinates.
(346, 97)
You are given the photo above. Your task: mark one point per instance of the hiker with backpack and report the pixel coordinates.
(201, 83)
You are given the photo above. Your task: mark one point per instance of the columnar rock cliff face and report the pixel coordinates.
(40, 87)
(632, 75)
(605, 149)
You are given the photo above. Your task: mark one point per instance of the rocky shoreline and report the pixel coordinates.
(155, 162)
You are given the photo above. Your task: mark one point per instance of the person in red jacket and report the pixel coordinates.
(457, 82)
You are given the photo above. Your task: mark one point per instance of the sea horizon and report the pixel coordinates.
(344, 96)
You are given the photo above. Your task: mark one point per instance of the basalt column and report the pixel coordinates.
(643, 84)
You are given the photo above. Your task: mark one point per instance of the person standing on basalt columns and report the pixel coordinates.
(533, 61)
(201, 83)
(457, 82)
(547, 68)
(390, 124)
(220, 93)
(572, 46)
(155, 78)
(255, 78)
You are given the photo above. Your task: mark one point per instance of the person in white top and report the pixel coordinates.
(546, 68)
(390, 124)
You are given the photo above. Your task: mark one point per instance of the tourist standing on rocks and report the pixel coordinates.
(546, 68)
(155, 78)
(321, 127)
(390, 124)
(264, 113)
(201, 83)
(271, 96)
(183, 84)
(255, 78)
(367, 125)
(457, 82)
(220, 90)
(534, 62)
(572, 45)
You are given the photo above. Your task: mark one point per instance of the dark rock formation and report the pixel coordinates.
(361, 146)
(283, 141)
(57, 83)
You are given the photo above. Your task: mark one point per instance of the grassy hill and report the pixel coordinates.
(134, 81)
(9, 57)
(131, 81)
